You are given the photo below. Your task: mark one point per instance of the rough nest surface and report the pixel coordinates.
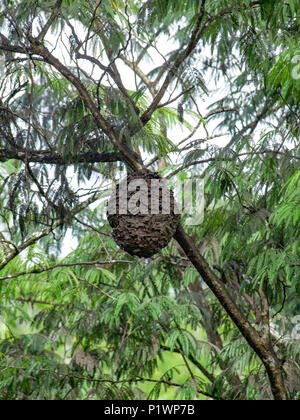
(140, 232)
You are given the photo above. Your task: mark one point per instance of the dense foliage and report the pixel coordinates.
(202, 89)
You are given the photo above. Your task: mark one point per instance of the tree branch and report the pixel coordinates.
(63, 265)
(195, 37)
(48, 157)
(52, 18)
(258, 343)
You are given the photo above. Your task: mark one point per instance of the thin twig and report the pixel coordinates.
(96, 287)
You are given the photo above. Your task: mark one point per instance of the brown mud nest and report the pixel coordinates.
(143, 213)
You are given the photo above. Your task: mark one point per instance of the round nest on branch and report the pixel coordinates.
(143, 213)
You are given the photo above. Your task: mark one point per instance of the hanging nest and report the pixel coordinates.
(151, 217)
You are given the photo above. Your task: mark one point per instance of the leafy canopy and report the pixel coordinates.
(81, 319)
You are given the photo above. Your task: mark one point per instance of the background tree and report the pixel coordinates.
(215, 314)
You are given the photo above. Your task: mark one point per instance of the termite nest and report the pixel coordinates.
(142, 213)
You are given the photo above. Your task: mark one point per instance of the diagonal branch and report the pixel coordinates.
(127, 154)
(256, 341)
(39, 49)
(195, 37)
(52, 18)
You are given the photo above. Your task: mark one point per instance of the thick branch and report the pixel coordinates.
(48, 157)
(180, 59)
(258, 342)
